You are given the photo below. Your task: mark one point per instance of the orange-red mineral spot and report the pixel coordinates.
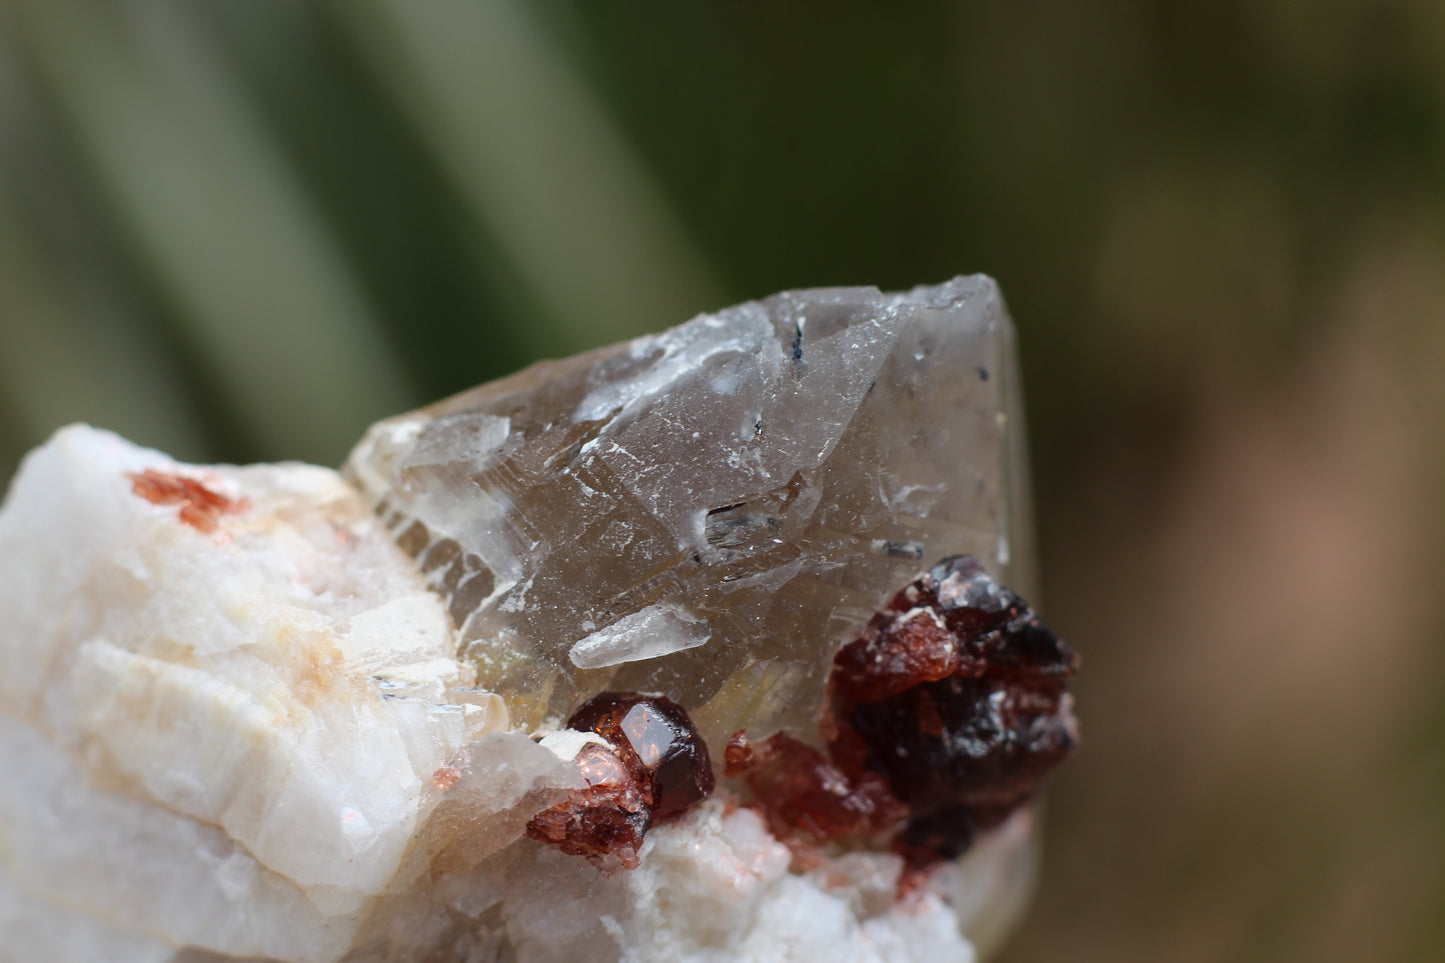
(200, 507)
(738, 755)
(606, 820)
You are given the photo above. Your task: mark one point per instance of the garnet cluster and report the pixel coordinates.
(654, 765)
(944, 715)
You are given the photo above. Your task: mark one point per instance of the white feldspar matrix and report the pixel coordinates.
(694, 648)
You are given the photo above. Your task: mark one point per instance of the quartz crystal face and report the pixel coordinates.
(712, 512)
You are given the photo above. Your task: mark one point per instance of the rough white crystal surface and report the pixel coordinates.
(715, 888)
(215, 739)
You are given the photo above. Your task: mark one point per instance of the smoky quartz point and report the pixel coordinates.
(714, 511)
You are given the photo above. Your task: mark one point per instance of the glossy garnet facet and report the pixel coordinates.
(657, 736)
(656, 765)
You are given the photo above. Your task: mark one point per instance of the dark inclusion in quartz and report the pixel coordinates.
(944, 715)
(656, 766)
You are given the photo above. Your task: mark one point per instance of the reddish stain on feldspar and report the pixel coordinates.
(200, 507)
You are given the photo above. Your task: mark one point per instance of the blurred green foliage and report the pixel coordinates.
(244, 231)
(428, 195)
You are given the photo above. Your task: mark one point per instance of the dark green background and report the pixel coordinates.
(244, 230)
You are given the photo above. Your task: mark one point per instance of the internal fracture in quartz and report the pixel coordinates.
(626, 656)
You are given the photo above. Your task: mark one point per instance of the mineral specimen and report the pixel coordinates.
(465, 704)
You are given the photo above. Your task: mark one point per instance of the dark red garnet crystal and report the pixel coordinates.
(954, 694)
(658, 740)
(606, 819)
(656, 766)
(944, 715)
(806, 800)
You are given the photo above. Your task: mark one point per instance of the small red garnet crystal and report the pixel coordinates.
(655, 735)
(605, 820)
(655, 766)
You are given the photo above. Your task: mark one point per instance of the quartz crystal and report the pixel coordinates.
(623, 657)
(711, 512)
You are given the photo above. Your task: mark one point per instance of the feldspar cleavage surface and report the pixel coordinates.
(713, 511)
(632, 656)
